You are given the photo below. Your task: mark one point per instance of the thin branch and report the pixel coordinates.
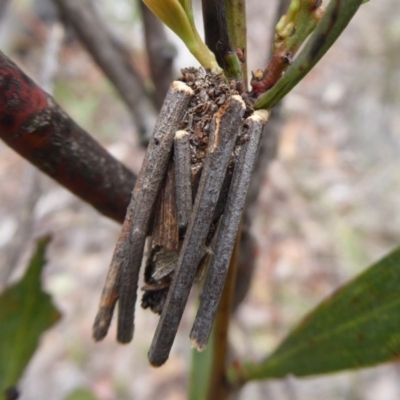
(218, 39)
(183, 176)
(161, 53)
(94, 35)
(223, 45)
(292, 30)
(248, 244)
(211, 28)
(237, 31)
(218, 388)
(34, 125)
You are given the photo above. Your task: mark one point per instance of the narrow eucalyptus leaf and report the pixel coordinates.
(357, 327)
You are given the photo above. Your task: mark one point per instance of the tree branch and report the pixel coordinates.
(100, 44)
(33, 124)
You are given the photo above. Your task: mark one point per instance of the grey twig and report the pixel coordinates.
(109, 295)
(143, 199)
(161, 53)
(94, 35)
(225, 127)
(183, 175)
(228, 229)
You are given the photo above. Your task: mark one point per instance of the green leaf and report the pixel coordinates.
(25, 313)
(178, 16)
(337, 16)
(201, 367)
(358, 326)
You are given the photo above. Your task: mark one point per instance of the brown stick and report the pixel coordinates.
(183, 178)
(40, 131)
(166, 232)
(109, 295)
(225, 127)
(143, 199)
(94, 35)
(218, 270)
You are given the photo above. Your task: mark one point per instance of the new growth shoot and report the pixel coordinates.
(291, 32)
(178, 16)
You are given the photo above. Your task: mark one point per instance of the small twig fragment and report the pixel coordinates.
(224, 130)
(218, 270)
(109, 295)
(183, 176)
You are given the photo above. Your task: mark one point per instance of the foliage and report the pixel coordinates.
(26, 311)
(354, 328)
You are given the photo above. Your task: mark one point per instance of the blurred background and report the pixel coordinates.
(328, 207)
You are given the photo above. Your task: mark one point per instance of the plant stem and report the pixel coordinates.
(41, 132)
(237, 30)
(217, 35)
(291, 31)
(218, 388)
(335, 19)
(200, 372)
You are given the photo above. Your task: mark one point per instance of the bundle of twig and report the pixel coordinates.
(204, 149)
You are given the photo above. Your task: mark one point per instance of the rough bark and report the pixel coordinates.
(34, 125)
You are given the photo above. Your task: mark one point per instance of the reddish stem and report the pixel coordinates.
(40, 131)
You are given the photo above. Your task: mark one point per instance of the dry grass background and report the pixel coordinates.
(328, 208)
